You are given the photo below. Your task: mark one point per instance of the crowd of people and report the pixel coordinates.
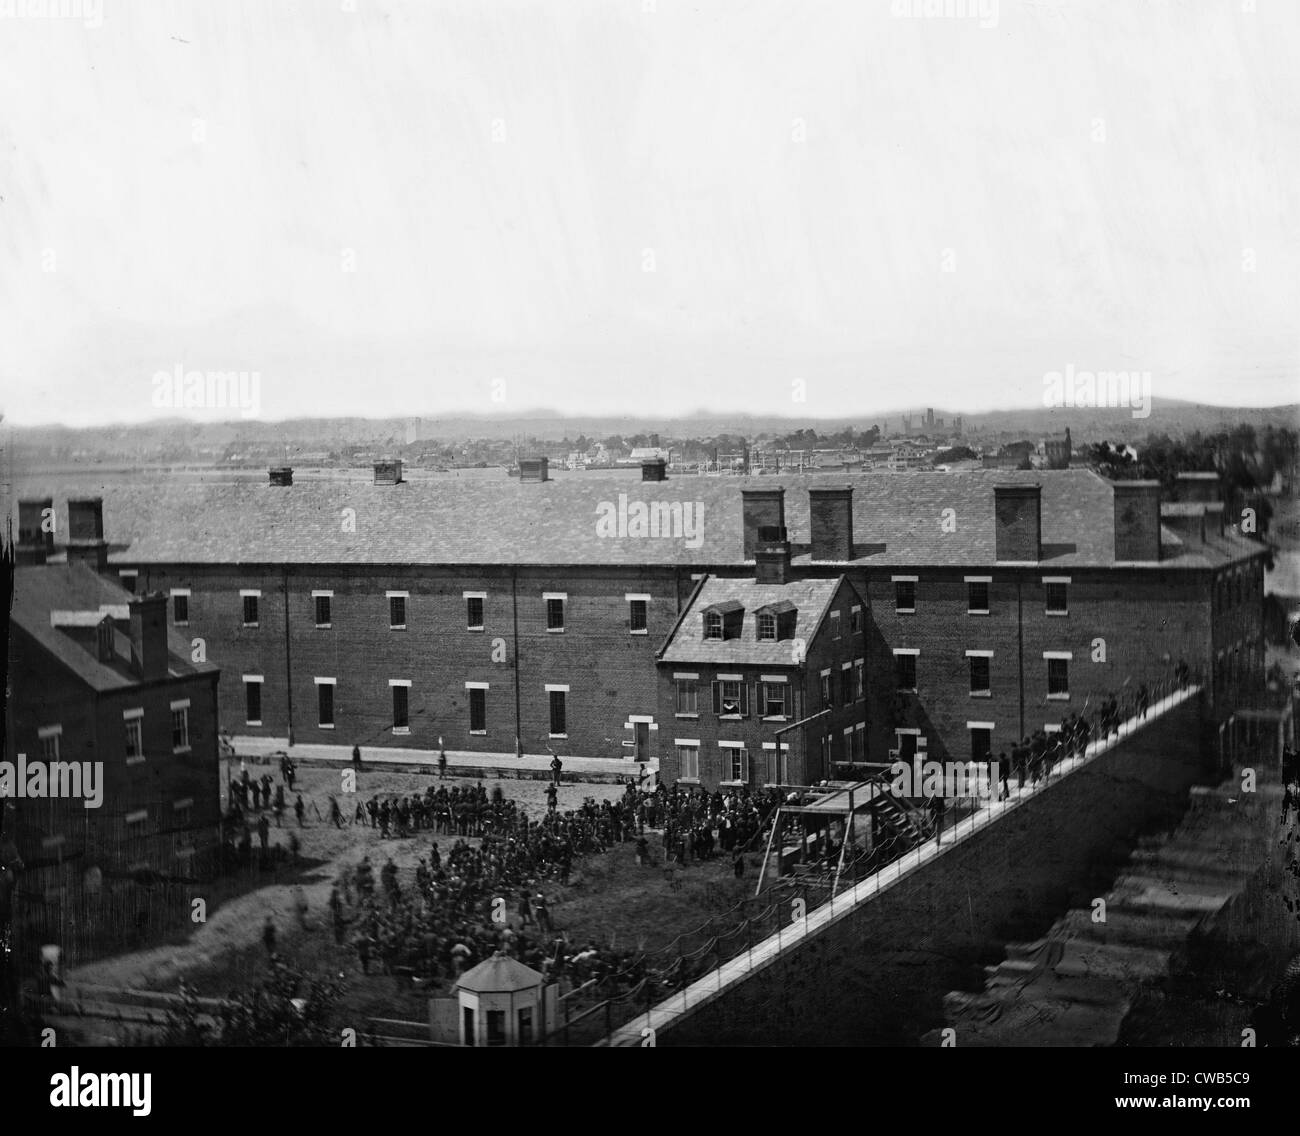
(486, 892)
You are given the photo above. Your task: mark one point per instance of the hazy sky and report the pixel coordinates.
(645, 205)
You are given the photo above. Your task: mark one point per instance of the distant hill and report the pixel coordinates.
(1168, 416)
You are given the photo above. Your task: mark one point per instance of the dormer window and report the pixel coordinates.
(776, 620)
(723, 620)
(766, 625)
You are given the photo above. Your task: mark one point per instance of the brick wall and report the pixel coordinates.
(878, 977)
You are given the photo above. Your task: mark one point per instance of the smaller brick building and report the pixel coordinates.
(764, 680)
(97, 676)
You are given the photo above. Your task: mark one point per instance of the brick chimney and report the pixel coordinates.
(534, 469)
(1137, 520)
(34, 544)
(1199, 486)
(831, 514)
(86, 541)
(388, 471)
(654, 469)
(771, 555)
(149, 634)
(281, 475)
(1018, 522)
(762, 508)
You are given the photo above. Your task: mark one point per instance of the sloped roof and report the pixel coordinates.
(40, 590)
(898, 519)
(499, 974)
(810, 597)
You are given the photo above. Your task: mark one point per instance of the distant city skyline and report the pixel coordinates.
(434, 209)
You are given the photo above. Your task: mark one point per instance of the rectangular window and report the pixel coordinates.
(559, 715)
(401, 709)
(478, 710)
(905, 670)
(636, 616)
(827, 691)
(554, 613)
(776, 699)
(835, 625)
(129, 577)
(134, 737)
(1058, 678)
(828, 751)
(855, 619)
(251, 614)
(846, 684)
(688, 695)
(252, 702)
(859, 743)
(324, 613)
(735, 763)
(180, 726)
(180, 607)
(766, 626)
(713, 625)
(860, 675)
(977, 597)
(1057, 600)
(981, 743)
(474, 613)
(325, 704)
(688, 760)
(731, 698)
(979, 674)
(396, 612)
(49, 738)
(905, 595)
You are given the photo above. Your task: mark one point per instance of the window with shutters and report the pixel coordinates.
(776, 699)
(730, 699)
(688, 697)
(688, 760)
(735, 764)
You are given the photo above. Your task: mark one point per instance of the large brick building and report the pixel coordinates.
(539, 613)
(97, 676)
